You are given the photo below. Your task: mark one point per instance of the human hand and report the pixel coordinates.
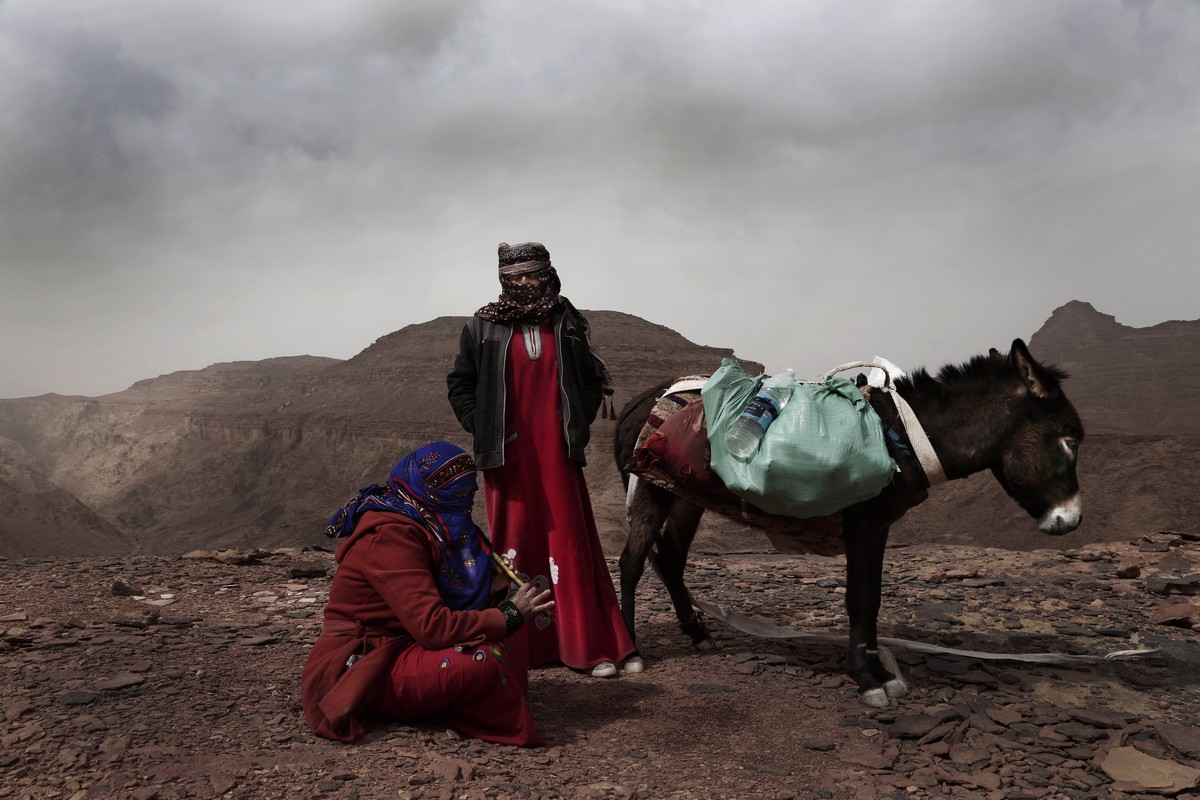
(531, 601)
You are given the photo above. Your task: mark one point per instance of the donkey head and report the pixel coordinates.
(1037, 468)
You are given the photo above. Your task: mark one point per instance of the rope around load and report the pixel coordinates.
(917, 437)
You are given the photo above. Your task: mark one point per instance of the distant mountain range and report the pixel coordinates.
(260, 453)
(1125, 380)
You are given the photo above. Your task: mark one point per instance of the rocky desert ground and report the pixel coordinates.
(162, 677)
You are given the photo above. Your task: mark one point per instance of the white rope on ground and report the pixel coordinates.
(768, 630)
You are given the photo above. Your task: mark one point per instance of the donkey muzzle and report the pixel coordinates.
(1063, 518)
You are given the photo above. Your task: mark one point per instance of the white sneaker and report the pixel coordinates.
(634, 665)
(605, 669)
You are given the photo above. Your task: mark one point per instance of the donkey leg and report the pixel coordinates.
(632, 564)
(679, 533)
(646, 510)
(864, 579)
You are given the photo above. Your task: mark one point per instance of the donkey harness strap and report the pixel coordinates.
(904, 449)
(934, 473)
(919, 441)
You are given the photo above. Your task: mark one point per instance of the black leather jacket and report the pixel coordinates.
(476, 385)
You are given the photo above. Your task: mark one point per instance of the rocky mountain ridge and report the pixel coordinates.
(1125, 380)
(259, 453)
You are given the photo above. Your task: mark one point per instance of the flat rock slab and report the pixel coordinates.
(1136, 771)
(122, 680)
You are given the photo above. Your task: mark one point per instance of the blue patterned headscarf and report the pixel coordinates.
(435, 486)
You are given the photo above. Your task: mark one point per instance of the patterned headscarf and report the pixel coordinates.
(533, 303)
(522, 302)
(435, 486)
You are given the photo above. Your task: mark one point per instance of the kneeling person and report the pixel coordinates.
(416, 622)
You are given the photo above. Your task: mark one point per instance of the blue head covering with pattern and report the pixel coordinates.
(435, 486)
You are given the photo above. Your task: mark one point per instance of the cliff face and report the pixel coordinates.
(1125, 380)
(261, 453)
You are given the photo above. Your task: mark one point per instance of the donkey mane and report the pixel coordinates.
(980, 372)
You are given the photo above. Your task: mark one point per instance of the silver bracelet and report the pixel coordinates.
(513, 618)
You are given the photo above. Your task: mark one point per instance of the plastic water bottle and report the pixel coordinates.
(746, 433)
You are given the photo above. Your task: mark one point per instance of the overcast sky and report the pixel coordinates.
(809, 183)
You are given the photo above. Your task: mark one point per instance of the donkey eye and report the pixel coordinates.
(1070, 444)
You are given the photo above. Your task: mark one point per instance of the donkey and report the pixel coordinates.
(1003, 413)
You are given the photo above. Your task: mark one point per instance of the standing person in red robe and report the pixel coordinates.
(527, 384)
(417, 619)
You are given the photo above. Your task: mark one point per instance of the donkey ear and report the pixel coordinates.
(1040, 383)
(994, 354)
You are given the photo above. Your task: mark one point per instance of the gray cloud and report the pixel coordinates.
(809, 183)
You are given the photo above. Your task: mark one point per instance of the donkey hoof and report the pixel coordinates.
(706, 643)
(895, 685)
(875, 698)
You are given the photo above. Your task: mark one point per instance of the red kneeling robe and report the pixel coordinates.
(391, 648)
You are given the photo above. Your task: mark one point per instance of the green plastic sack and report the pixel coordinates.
(826, 451)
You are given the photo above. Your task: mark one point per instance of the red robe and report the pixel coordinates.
(417, 658)
(539, 511)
